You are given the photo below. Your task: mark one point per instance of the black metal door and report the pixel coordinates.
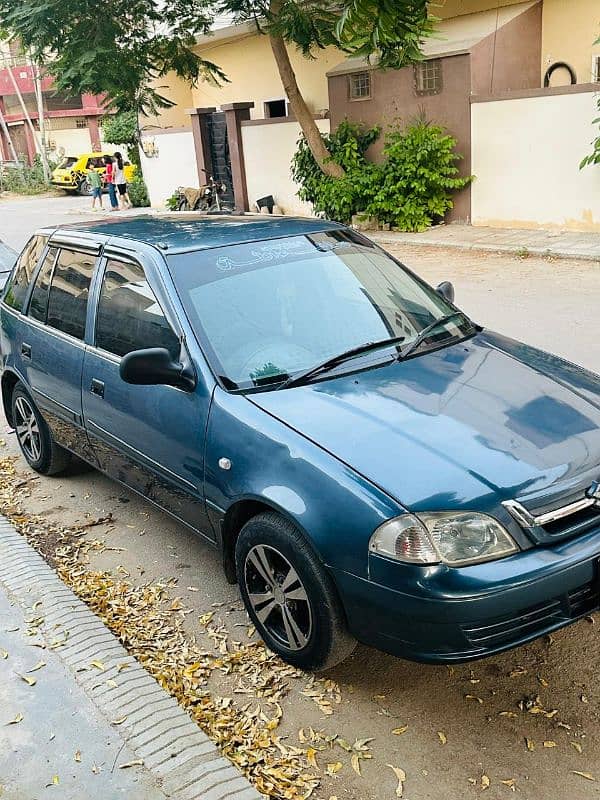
(219, 153)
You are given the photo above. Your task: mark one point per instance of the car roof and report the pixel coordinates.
(187, 231)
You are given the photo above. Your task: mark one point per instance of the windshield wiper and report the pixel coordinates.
(412, 346)
(325, 366)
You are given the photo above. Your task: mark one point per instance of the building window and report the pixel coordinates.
(596, 69)
(428, 77)
(275, 108)
(359, 85)
(80, 123)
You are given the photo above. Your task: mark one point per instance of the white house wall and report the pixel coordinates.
(525, 156)
(268, 152)
(174, 166)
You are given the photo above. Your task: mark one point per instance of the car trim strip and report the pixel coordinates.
(143, 457)
(527, 520)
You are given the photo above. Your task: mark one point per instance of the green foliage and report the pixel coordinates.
(417, 177)
(410, 189)
(337, 198)
(172, 202)
(138, 191)
(27, 180)
(121, 48)
(594, 156)
(122, 129)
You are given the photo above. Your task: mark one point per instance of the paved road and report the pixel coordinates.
(548, 304)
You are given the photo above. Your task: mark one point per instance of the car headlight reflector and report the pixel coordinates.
(456, 538)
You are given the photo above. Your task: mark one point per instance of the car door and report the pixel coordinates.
(148, 437)
(52, 344)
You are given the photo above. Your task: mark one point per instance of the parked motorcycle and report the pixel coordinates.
(207, 198)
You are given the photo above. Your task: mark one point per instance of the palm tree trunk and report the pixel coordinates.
(301, 111)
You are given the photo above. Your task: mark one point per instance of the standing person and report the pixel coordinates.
(121, 183)
(109, 177)
(95, 182)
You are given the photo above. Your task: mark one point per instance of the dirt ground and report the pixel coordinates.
(469, 730)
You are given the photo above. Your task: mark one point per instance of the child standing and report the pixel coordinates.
(95, 183)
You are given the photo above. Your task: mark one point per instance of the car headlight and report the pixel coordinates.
(456, 538)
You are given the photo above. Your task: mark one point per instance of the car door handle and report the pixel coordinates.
(97, 387)
(25, 350)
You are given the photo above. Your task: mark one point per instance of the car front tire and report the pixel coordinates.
(289, 596)
(37, 444)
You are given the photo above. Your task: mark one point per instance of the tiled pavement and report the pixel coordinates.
(57, 731)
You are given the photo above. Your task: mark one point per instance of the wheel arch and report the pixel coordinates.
(238, 514)
(9, 381)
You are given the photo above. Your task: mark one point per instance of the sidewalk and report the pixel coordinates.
(79, 717)
(557, 244)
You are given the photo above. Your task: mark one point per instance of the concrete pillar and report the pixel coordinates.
(234, 114)
(199, 119)
(94, 133)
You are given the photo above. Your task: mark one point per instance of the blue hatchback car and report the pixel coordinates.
(371, 463)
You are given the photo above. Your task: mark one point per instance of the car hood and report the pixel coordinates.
(472, 424)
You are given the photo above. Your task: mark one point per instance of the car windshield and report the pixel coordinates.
(66, 162)
(268, 310)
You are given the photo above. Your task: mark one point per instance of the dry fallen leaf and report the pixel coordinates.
(401, 775)
(577, 746)
(399, 731)
(530, 744)
(473, 697)
(587, 775)
(3, 653)
(442, 737)
(98, 665)
(17, 719)
(311, 757)
(78, 756)
(39, 665)
(135, 763)
(334, 767)
(29, 681)
(206, 618)
(355, 761)
(119, 720)
(511, 783)
(549, 743)
(485, 782)
(95, 769)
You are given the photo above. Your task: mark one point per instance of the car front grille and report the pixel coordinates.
(581, 514)
(535, 620)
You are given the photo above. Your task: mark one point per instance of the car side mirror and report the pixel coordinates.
(446, 289)
(155, 366)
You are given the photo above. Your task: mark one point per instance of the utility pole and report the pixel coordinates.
(8, 138)
(37, 82)
(23, 107)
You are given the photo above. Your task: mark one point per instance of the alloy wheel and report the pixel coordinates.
(28, 431)
(278, 597)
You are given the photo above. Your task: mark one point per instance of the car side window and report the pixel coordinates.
(67, 303)
(38, 304)
(129, 316)
(18, 284)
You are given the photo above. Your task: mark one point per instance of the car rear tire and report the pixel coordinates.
(37, 444)
(84, 188)
(289, 596)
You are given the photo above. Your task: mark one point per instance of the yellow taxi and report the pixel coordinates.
(71, 173)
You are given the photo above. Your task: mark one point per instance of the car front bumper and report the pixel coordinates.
(443, 615)
(61, 184)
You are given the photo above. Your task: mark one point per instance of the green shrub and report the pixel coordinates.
(172, 202)
(138, 191)
(336, 198)
(27, 180)
(409, 190)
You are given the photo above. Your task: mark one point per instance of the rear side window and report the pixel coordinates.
(38, 304)
(17, 286)
(129, 316)
(67, 303)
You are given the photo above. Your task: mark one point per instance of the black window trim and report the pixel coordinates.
(38, 269)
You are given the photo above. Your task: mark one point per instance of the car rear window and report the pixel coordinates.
(67, 162)
(18, 284)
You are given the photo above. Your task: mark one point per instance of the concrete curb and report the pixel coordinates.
(183, 760)
(543, 252)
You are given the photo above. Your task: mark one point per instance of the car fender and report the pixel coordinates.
(252, 457)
